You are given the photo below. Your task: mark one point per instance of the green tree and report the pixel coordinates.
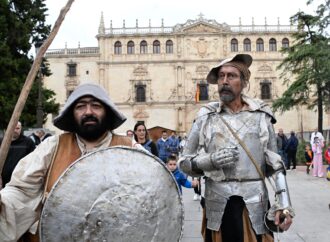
(308, 61)
(22, 24)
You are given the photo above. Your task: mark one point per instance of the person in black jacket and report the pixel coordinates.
(291, 149)
(20, 146)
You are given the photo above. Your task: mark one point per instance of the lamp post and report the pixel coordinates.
(40, 112)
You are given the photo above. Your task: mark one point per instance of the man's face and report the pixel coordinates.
(171, 165)
(280, 132)
(17, 131)
(230, 85)
(90, 118)
(164, 135)
(129, 134)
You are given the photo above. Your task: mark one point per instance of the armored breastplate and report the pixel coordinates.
(240, 179)
(216, 136)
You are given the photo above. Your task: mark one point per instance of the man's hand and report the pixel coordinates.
(224, 157)
(283, 219)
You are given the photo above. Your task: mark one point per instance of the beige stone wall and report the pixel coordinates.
(171, 79)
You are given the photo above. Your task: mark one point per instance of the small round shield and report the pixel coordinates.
(115, 194)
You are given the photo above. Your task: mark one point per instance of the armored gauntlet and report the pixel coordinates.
(216, 160)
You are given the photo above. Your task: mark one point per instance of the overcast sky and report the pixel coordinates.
(82, 21)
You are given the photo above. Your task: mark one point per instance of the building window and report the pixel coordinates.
(72, 69)
(130, 47)
(169, 47)
(247, 44)
(234, 45)
(117, 48)
(156, 47)
(272, 45)
(260, 44)
(140, 91)
(203, 92)
(266, 89)
(285, 43)
(143, 47)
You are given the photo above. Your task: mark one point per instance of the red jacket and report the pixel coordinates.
(327, 155)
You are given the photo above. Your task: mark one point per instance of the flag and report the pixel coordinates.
(197, 94)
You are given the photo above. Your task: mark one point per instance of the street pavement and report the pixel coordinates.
(310, 197)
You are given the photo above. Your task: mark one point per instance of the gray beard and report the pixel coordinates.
(227, 98)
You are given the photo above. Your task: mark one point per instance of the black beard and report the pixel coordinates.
(226, 98)
(91, 132)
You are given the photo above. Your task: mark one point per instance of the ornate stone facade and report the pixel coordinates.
(154, 73)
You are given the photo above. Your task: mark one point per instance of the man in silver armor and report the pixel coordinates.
(236, 198)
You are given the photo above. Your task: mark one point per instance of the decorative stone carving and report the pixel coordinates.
(265, 68)
(140, 71)
(201, 28)
(201, 25)
(141, 113)
(202, 46)
(202, 69)
(173, 95)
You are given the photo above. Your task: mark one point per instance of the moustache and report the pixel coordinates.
(226, 89)
(88, 119)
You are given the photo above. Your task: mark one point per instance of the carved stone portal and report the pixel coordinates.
(140, 113)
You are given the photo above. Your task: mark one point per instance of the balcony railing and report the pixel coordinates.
(73, 51)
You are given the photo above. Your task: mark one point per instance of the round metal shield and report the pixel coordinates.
(115, 194)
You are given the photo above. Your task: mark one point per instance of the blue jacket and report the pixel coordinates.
(181, 179)
(163, 148)
(174, 144)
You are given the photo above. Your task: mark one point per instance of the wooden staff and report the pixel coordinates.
(28, 84)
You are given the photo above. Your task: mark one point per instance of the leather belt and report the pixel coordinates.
(241, 180)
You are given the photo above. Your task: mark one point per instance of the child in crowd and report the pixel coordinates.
(180, 177)
(317, 157)
(308, 157)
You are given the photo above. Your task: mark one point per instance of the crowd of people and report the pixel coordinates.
(313, 153)
(232, 145)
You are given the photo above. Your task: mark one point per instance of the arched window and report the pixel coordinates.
(169, 47)
(117, 48)
(143, 47)
(130, 47)
(285, 43)
(266, 89)
(234, 45)
(260, 44)
(140, 93)
(156, 47)
(203, 91)
(272, 45)
(247, 44)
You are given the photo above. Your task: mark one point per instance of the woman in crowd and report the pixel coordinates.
(141, 136)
